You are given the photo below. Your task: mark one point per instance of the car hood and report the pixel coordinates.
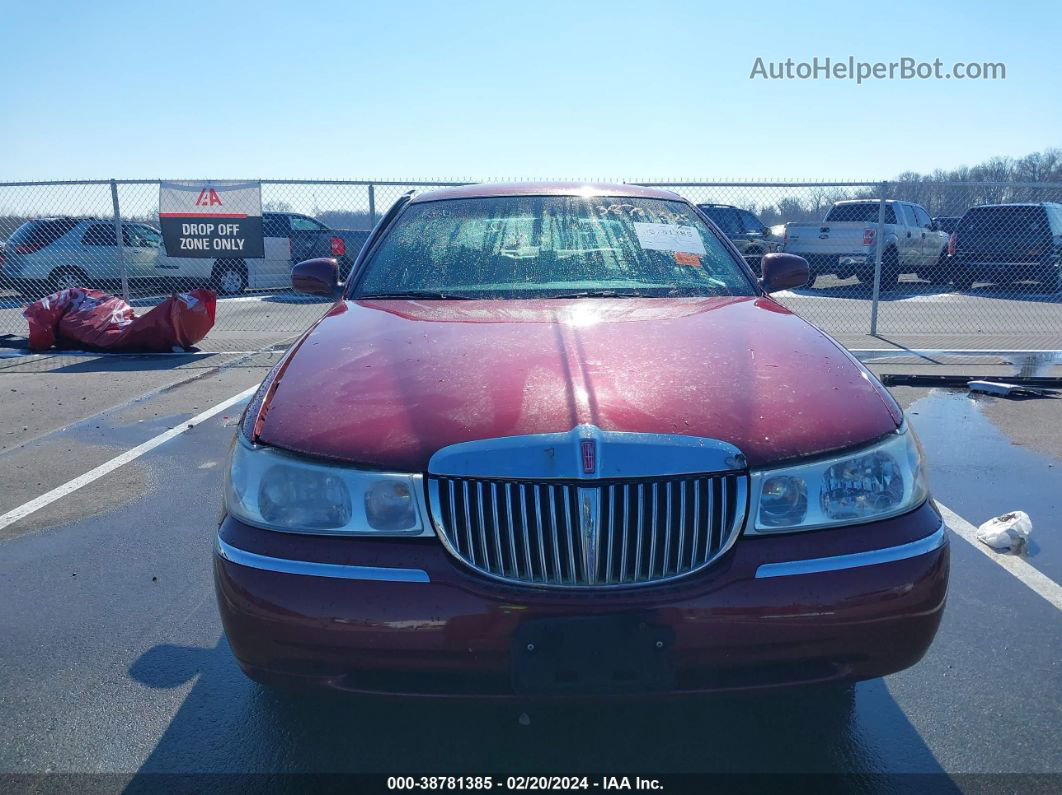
(386, 383)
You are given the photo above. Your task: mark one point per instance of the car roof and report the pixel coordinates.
(493, 190)
(76, 218)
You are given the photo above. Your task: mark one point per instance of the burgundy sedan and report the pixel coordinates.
(558, 439)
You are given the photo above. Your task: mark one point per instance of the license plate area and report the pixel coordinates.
(595, 654)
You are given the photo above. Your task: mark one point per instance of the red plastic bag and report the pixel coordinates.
(94, 320)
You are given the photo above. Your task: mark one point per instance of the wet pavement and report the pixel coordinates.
(114, 661)
(986, 473)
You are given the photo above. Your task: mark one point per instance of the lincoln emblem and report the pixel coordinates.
(589, 457)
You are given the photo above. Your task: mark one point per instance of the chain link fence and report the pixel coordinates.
(919, 264)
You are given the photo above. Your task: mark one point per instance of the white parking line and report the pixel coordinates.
(1036, 580)
(109, 466)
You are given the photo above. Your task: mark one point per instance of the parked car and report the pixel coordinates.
(1008, 243)
(531, 450)
(946, 223)
(289, 238)
(49, 254)
(744, 230)
(844, 243)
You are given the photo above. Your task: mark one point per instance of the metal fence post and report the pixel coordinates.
(119, 241)
(879, 239)
(372, 206)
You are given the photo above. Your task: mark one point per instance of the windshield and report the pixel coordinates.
(548, 247)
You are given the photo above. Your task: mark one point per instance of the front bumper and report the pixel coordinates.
(404, 617)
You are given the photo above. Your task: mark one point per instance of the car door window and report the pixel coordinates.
(908, 215)
(274, 225)
(141, 236)
(99, 235)
(751, 223)
(922, 217)
(300, 223)
(725, 218)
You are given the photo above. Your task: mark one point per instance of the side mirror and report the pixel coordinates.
(317, 277)
(783, 272)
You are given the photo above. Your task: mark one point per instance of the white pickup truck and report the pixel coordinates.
(844, 243)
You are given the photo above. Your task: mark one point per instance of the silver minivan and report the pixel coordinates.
(49, 254)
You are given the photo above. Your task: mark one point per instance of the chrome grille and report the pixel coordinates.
(589, 533)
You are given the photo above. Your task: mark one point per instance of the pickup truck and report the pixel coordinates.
(844, 243)
(290, 238)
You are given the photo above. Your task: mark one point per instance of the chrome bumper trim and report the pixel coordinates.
(311, 569)
(870, 558)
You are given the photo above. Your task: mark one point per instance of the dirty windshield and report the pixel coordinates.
(551, 247)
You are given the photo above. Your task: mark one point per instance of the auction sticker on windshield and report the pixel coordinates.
(669, 237)
(212, 219)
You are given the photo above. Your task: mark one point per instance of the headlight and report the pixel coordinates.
(883, 480)
(280, 491)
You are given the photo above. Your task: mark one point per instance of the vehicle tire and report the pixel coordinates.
(942, 261)
(229, 277)
(66, 277)
(939, 272)
(890, 269)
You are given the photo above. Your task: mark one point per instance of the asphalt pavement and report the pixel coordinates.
(114, 668)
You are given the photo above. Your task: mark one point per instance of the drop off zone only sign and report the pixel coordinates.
(220, 220)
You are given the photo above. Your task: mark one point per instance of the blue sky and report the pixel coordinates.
(574, 89)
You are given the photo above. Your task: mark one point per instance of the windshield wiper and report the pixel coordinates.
(598, 294)
(425, 294)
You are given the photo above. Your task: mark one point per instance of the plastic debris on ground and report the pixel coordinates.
(1008, 390)
(1007, 533)
(93, 320)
